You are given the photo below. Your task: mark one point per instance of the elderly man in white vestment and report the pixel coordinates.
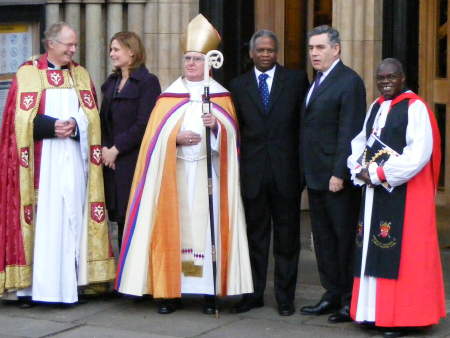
(52, 113)
(166, 248)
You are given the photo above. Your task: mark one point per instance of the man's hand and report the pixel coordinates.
(188, 138)
(336, 184)
(364, 176)
(64, 128)
(109, 156)
(209, 120)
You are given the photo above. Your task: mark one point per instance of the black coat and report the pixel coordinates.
(269, 138)
(124, 117)
(335, 114)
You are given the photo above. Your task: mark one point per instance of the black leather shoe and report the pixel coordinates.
(246, 304)
(209, 306)
(341, 316)
(286, 309)
(166, 306)
(393, 334)
(321, 308)
(25, 302)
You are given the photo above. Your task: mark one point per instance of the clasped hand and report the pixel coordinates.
(364, 175)
(109, 156)
(65, 128)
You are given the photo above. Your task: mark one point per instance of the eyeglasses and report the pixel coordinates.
(195, 59)
(68, 45)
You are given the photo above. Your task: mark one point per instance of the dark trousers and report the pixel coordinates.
(114, 216)
(334, 218)
(266, 211)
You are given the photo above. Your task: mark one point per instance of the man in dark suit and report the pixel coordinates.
(267, 101)
(332, 114)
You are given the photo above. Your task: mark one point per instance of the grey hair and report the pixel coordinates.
(52, 32)
(394, 62)
(263, 33)
(333, 34)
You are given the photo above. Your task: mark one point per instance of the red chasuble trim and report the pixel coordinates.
(11, 242)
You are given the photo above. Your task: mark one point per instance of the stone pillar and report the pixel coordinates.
(52, 14)
(165, 23)
(150, 38)
(360, 25)
(176, 51)
(95, 42)
(114, 24)
(164, 61)
(136, 10)
(72, 17)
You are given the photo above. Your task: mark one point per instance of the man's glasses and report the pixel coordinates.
(68, 45)
(195, 59)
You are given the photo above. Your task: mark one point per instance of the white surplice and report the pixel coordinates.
(193, 160)
(61, 227)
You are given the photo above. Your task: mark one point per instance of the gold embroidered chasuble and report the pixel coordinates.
(32, 81)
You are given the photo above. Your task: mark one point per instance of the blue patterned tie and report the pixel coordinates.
(316, 84)
(264, 90)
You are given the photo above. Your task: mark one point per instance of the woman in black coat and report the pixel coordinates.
(129, 95)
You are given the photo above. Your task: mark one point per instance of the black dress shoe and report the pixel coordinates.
(246, 304)
(209, 305)
(393, 333)
(166, 306)
(286, 309)
(25, 302)
(321, 308)
(341, 316)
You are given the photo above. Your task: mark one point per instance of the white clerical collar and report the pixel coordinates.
(270, 72)
(53, 66)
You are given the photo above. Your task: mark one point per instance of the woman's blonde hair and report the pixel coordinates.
(131, 41)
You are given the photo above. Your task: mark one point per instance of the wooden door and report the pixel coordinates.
(434, 87)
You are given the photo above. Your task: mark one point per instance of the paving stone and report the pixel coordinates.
(20, 327)
(102, 332)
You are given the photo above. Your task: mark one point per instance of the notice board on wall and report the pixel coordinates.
(18, 42)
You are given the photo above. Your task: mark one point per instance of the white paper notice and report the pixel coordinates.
(15, 47)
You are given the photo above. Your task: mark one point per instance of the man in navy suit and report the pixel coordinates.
(332, 114)
(267, 101)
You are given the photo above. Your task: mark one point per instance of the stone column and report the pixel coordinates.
(136, 10)
(164, 44)
(52, 14)
(95, 42)
(176, 51)
(114, 24)
(360, 25)
(150, 38)
(164, 24)
(72, 17)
